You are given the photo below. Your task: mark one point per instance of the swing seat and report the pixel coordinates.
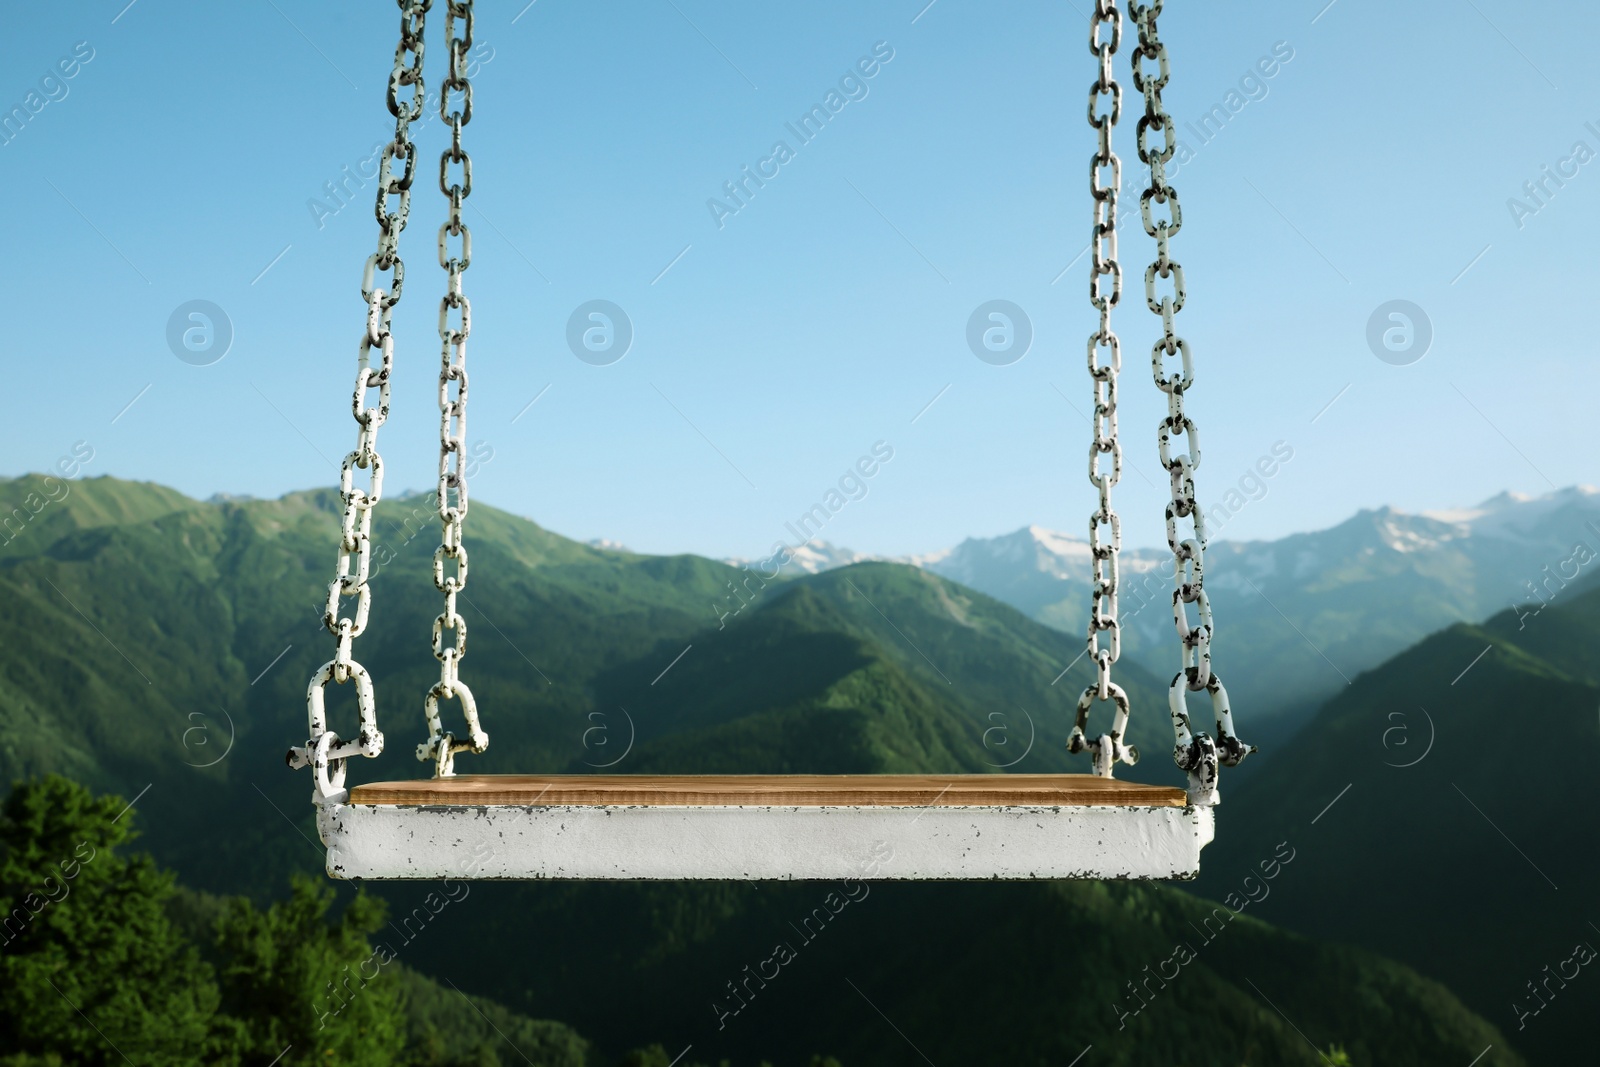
(780, 827)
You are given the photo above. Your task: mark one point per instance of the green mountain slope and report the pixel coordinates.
(1029, 973)
(940, 677)
(140, 651)
(1465, 761)
(37, 510)
(163, 636)
(171, 651)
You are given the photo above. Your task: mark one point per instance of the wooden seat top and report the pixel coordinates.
(774, 790)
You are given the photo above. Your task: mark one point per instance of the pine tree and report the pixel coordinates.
(296, 980)
(93, 970)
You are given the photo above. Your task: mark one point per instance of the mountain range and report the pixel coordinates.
(1300, 617)
(159, 646)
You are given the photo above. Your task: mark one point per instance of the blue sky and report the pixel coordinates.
(771, 352)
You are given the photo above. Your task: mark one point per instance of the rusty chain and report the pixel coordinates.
(442, 746)
(1196, 753)
(325, 751)
(1109, 749)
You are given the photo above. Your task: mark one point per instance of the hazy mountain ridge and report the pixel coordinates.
(1299, 617)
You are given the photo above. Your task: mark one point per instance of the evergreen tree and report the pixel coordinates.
(297, 980)
(93, 970)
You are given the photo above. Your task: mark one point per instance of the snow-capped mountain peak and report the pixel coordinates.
(813, 557)
(1519, 516)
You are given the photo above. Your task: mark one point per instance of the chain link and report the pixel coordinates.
(1196, 753)
(1188, 551)
(1105, 361)
(442, 746)
(325, 752)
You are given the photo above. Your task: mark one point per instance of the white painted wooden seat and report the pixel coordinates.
(1011, 826)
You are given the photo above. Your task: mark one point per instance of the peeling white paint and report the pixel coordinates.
(749, 843)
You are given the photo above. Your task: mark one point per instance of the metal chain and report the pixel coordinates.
(1108, 749)
(1188, 552)
(325, 752)
(442, 746)
(1197, 754)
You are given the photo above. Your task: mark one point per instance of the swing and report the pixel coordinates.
(989, 826)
